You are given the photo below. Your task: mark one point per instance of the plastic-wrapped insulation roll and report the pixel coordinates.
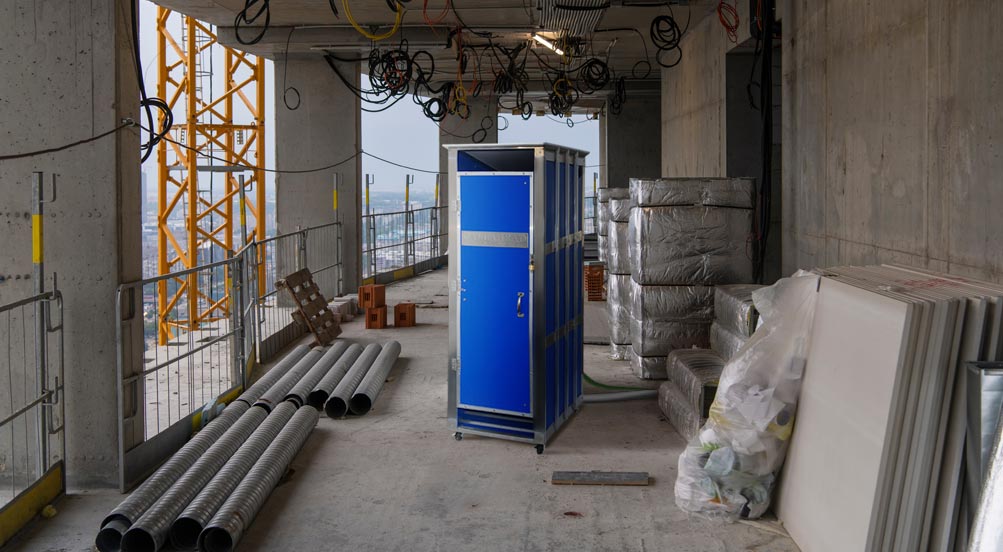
(303, 387)
(109, 538)
(254, 392)
(150, 531)
(225, 529)
(365, 395)
(337, 404)
(323, 389)
(277, 392)
(186, 528)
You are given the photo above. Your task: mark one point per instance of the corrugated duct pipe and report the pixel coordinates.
(228, 525)
(149, 532)
(365, 395)
(109, 538)
(323, 390)
(254, 392)
(186, 528)
(303, 387)
(337, 404)
(274, 394)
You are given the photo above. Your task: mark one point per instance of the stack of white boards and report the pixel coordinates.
(876, 458)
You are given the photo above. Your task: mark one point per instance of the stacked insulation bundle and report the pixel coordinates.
(618, 287)
(685, 236)
(686, 397)
(602, 219)
(735, 318)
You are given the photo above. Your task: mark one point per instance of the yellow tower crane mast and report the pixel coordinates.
(218, 134)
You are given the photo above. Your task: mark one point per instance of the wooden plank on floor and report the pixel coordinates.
(599, 478)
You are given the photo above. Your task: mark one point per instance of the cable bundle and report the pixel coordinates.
(666, 35)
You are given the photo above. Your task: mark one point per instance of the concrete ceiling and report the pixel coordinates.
(310, 28)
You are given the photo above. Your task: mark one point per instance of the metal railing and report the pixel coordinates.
(32, 440)
(317, 248)
(392, 241)
(167, 388)
(161, 384)
(591, 206)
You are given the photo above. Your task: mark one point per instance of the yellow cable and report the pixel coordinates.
(367, 34)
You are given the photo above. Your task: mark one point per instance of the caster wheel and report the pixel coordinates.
(539, 449)
(458, 436)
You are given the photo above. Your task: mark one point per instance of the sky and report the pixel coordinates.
(401, 134)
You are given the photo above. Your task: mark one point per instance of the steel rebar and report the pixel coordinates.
(113, 526)
(149, 532)
(365, 395)
(228, 525)
(186, 528)
(254, 392)
(303, 387)
(323, 390)
(277, 392)
(337, 403)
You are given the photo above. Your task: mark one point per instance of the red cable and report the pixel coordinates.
(728, 15)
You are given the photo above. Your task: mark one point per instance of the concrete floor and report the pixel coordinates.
(396, 480)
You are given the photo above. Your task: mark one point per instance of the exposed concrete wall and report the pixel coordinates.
(67, 74)
(632, 141)
(325, 129)
(893, 120)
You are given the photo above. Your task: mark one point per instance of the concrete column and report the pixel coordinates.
(324, 129)
(68, 75)
(454, 130)
(630, 142)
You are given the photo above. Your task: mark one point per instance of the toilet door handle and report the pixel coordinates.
(518, 305)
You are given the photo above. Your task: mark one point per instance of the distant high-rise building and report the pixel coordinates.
(144, 200)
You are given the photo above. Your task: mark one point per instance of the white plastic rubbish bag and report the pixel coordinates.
(730, 468)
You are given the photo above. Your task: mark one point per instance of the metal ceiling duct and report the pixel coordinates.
(576, 17)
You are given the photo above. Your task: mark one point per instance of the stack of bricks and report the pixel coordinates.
(372, 298)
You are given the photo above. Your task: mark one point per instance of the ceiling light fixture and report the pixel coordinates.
(548, 44)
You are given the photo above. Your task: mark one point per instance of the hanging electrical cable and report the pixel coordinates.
(248, 16)
(285, 71)
(727, 14)
(146, 103)
(398, 16)
(666, 36)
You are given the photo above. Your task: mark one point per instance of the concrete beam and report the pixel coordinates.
(68, 74)
(324, 129)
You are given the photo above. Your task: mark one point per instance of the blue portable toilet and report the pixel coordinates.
(516, 271)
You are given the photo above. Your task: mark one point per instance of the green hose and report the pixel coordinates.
(612, 387)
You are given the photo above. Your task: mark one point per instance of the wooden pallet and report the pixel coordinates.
(311, 306)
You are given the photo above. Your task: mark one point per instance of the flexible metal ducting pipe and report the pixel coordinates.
(365, 395)
(277, 392)
(225, 529)
(109, 538)
(620, 396)
(254, 392)
(303, 387)
(149, 532)
(323, 390)
(337, 404)
(186, 528)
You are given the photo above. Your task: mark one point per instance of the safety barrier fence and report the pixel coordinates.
(402, 239)
(174, 370)
(32, 438)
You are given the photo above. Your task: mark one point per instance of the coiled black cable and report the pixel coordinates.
(146, 103)
(248, 16)
(593, 76)
(666, 36)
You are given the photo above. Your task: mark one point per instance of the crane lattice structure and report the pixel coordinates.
(218, 141)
